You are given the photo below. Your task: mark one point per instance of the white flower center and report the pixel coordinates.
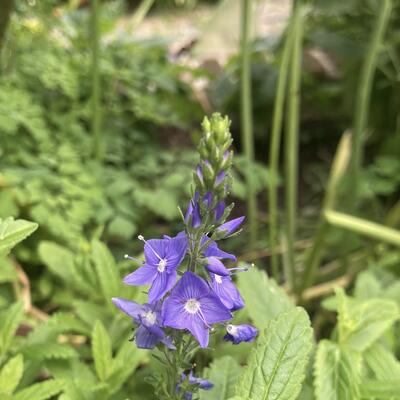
(161, 265)
(192, 306)
(231, 329)
(218, 279)
(150, 317)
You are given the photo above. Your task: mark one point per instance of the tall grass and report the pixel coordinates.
(364, 87)
(292, 139)
(246, 117)
(96, 106)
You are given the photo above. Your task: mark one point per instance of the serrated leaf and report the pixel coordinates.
(337, 372)
(14, 231)
(11, 374)
(102, 351)
(362, 323)
(48, 351)
(40, 391)
(9, 324)
(374, 389)
(276, 367)
(106, 269)
(263, 297)
(382, 362)
(223, 373)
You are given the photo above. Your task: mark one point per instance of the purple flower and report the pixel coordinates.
(207, 198)
(212, 250)
(148, 319)
(163, 256)
(199, 382)
(219, 210)
(240, 333)
(192, 305)
(219, 178)
(199, 173)
(229, 227)
(193, 212)
(224, 288)
(215, 266)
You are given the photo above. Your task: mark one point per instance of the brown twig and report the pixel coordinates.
(22, 291)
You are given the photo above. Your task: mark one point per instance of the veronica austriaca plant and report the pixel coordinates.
(192, 294)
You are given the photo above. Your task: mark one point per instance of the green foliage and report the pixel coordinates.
(264, 299)
(11, 374)
(102, 352)
(9, 321)
(13, 232)
(276, 367)
(337, 372)
(223, 372)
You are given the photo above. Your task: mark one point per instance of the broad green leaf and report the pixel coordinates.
(382, 362)
(223, 373)
(102, 351)
(8, 272)
(40, 391)
(11, 374)
(107, 271)
(58, 259)
(276, 367)
(337, 372)
(263, 297)
(367, 286)
(381, 390)
(361, 323)
(12, 232)
(9, 324)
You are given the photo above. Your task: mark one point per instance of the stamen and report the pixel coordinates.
(203, 319)
(238, 269)
(128, 257)
(161, 265)
(141, 238)
(192, 306)
(231, 329)
(217, 278)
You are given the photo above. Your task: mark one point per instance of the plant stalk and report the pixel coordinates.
(246, 117)
(291, 142)
(97, 149)
(274, 150)
(365, 86)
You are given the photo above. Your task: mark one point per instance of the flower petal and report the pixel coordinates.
(145, 339)
(128, 307)
(214, 265)
(142, 276)
(199, 330)
(229, 227)
(214, 251)
(213, 309)
(162, 283)
(227, 292)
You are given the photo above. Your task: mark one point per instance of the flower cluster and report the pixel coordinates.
(191, 290)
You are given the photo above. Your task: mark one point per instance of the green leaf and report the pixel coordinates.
(45, 351)
(58, 259)
(382, 362)
(12, 232)
(373, 389)
(276, 367)
(11, 374)
(107, 271)
(337, 372)
(128, 358)
(9, 324)
(223, 373)
(263, 297)
(40, 391)
(362, 323)
(102, 351)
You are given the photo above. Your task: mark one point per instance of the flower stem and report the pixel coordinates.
(291, 143)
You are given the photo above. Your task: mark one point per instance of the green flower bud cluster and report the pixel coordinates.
(213, 171)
